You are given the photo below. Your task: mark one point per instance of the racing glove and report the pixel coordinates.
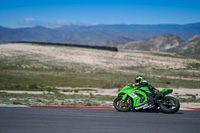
(158, 94)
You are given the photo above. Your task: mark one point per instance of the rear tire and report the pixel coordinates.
(123, 105)
(170, 109)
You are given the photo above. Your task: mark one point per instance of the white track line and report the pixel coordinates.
(185, 109)
(4, 105)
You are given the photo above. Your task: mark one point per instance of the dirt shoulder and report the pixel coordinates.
(178, 93)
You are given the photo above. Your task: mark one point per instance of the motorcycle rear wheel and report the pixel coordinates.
(123, 105)
(170, 109)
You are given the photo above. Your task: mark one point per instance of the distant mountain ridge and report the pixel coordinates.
(165, 43)
(141, 32)
(192, 46)
(158, 43)
(43, 34)
(101, 35)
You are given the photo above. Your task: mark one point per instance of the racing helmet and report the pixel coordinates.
(139, 79)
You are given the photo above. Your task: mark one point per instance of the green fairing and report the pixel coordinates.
(166, 91)
(129, 91)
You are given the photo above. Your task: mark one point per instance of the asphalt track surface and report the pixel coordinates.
(72, 120)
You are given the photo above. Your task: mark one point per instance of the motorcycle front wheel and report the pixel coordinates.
(123, 105)
(170, 105)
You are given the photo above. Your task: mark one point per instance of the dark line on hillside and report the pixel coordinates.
(114, 49)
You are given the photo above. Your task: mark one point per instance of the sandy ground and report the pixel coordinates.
(96, 59)
(190, 105)
(27, 92)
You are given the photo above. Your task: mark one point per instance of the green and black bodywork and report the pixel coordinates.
(142, 98)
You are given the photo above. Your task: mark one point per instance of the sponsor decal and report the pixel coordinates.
(144, 106)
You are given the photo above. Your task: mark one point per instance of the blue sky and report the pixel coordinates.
(54, 13)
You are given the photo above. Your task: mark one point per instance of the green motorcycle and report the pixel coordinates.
(141, 98)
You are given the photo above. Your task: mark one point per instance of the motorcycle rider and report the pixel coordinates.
(139, 82)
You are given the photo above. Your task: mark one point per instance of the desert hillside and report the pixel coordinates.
(165, 43)
(192, 46)
(159, 43)
(55, 69)
(28, 57)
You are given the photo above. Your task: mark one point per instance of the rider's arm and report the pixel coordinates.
(152, 89)
(143, 84)
(155, 91)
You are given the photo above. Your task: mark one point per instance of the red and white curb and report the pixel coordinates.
(83, 107)
(189, 108)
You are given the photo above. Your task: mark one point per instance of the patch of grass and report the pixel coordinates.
(163, 72)
(195, 66)
(56, 78)
(43, 80)
(67, 90)
(87, 90)
(188, 100)
(17, 103)
(53, 99)
(193, 96)
(76, 90)
(88, 104)
(39, 100)
(174, 83)
(31, 87)
(112, 85)
(184, 56)
(167, 55)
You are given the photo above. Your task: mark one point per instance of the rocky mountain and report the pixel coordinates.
(158, 43)
(97, 34)
(165, 43)
(190, 47)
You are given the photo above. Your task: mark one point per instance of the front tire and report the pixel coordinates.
(172, 105)
(123, 105)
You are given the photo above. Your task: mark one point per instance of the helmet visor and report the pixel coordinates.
(137, 80)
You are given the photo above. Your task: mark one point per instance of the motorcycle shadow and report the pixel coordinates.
(152, 111)
(147, 111)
